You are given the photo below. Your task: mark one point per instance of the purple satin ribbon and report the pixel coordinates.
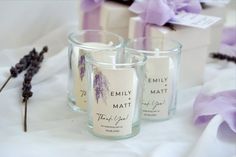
(191, 6)
(223, 103)
(91, 13)
(159, 12)
(229, 36)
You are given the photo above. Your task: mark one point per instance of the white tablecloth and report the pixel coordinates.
(55, 130)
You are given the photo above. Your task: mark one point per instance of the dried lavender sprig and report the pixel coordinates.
(22, 65)
(25, 117)
(221, 56)
(33, 69)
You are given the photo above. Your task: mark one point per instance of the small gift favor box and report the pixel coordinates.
(113, 17)
(216, 30)
(194, 51)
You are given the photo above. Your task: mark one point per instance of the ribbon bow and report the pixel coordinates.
(159, 12)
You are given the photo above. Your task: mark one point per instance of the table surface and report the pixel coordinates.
(55, 130)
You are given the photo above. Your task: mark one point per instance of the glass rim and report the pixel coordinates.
(176, 48)
(142, 60)
(71, 39)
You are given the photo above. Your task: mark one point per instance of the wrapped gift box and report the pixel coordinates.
(114, 17)
(194, 51)
(216, 30)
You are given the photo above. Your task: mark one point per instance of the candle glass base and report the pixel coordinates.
(72, 104)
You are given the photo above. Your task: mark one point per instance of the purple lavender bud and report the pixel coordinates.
(82, 72)
(82, 60)
(100, 86)
(82, 66)
(13, 72)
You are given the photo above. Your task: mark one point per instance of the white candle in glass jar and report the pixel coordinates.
(78, 70)
(159, 87)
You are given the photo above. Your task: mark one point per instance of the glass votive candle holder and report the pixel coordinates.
(115, 88)
(162, 70)
(80, 44)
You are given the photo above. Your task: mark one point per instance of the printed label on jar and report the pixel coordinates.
(156, 88)
(114, 92)
(78, 71)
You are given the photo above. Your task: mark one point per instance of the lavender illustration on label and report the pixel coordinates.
(100, 86)
(81, 67)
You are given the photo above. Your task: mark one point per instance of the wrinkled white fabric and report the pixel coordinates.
(55, 130)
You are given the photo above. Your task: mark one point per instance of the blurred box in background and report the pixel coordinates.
(216, 30)
(195, 43)
(113, 17)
